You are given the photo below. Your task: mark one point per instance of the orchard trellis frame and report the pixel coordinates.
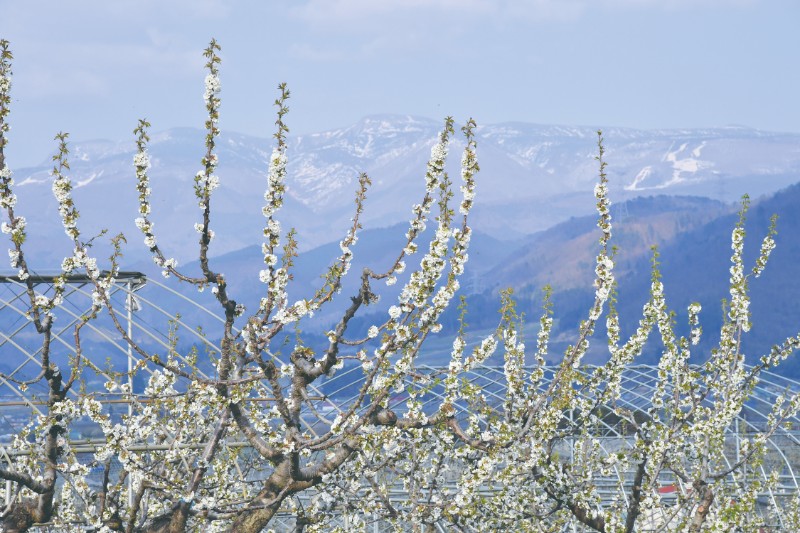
(19, 351)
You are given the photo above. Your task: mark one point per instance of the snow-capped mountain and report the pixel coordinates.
(531, 178)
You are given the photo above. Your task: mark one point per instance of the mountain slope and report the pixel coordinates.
(693, 236)
(696, 266)
(531, 178)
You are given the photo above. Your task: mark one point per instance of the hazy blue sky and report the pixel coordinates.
(93, 67)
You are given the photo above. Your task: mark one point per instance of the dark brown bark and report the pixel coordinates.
(20, 517)
(262, 508)
(23, 514)
(704, 506)
(635, 498)
(172, 522)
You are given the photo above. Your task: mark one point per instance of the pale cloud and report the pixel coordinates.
(179, 10)
(93, 17)
(93, 69)
(316, 53)
(542, 10)
(371, 16)
(41, 82)
(329, 12)
(370, 29)
(676, 4)
(89, 48)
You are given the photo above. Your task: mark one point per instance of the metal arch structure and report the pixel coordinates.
(149, 307)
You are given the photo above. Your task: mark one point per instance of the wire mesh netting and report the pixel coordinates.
(154, 315)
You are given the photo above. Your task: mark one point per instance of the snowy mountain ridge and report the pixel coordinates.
(532, 176)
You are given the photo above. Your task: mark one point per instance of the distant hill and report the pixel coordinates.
(563, 256)
(376, 249)
(694, 247)
(696, 264)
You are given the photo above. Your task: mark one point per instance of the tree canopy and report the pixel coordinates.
(228, 439)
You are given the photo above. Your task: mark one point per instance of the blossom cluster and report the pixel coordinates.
(7, 198)
(141, 163)
(767, 245)
(16, 229)
(62, 189)
(276, 279)
(738, 312)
